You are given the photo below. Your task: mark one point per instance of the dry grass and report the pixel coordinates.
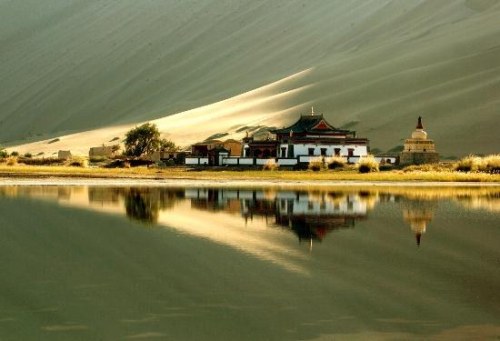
(367, 164)
(316, 164)
(491, 164)
(335, 162)
(185, 173)
(271, 165)
(472, 163)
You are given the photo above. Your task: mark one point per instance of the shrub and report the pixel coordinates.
(270, 165)
(469, 163)
(429, 167)
(118, 164)
(53, 141)
(335, 162)
(11, 161)
(367, 164)
(79, 162)
(316, 164)
(14, 153)
(98, 159)
(3, 153)
(43, 162)
(28, 155)
(386, 167)
(491, 164)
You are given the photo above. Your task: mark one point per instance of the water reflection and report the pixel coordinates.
(232, 259)
(418, 213)
(309, 214)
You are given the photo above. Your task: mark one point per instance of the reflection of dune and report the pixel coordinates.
(230, 230)
(239, 218)
(466, 332)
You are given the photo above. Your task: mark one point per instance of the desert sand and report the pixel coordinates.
(85, 72)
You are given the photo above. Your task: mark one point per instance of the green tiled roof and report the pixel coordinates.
(306, 123)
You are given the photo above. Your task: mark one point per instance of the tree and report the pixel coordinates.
(3, 153)
(142, 140)
(168, 146)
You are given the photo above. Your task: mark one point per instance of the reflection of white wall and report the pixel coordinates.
(288, 201)
(306, 205)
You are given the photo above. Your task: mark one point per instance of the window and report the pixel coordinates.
(283, 151)
(311, 151)
(323, 151)
(337, 151)
(350, 152)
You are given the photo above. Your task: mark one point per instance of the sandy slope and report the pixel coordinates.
(372, 66)
(264, 106)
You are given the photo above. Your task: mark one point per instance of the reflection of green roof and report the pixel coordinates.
(309, 123)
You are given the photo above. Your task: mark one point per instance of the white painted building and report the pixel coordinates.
(308, 138)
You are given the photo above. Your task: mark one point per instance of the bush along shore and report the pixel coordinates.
(468, 169)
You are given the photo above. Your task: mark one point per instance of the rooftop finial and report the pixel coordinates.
(312, 111)
(419, 124)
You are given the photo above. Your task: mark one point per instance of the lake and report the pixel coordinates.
(111, 263)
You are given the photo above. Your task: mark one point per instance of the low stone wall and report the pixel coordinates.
(418, 158)
(191, 161)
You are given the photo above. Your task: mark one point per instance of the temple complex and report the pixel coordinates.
(310, 136)
(418, 149)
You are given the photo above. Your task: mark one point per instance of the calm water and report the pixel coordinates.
(101, 263)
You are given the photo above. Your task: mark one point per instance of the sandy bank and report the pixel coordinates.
(55, 181)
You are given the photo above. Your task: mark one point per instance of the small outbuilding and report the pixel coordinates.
(103, 151)
(64, 154)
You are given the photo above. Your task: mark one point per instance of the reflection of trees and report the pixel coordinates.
(144, 204)
(140, 205)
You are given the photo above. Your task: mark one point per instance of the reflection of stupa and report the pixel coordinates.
(418, 149)
(418, 213)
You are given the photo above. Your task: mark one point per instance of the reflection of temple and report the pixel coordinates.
(418, 213)
(311, 218)
(309, 215)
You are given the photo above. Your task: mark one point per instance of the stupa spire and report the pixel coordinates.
(419, 123)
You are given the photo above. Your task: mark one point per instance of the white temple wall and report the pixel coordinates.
(303, 149)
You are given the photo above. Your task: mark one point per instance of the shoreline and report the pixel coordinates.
(184, 182)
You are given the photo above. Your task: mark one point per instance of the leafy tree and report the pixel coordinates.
(168, 146)
(3, 153)
(142, 140)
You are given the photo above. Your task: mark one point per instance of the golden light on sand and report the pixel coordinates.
(266, 105)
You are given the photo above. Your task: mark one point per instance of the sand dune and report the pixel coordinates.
(89, 71)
